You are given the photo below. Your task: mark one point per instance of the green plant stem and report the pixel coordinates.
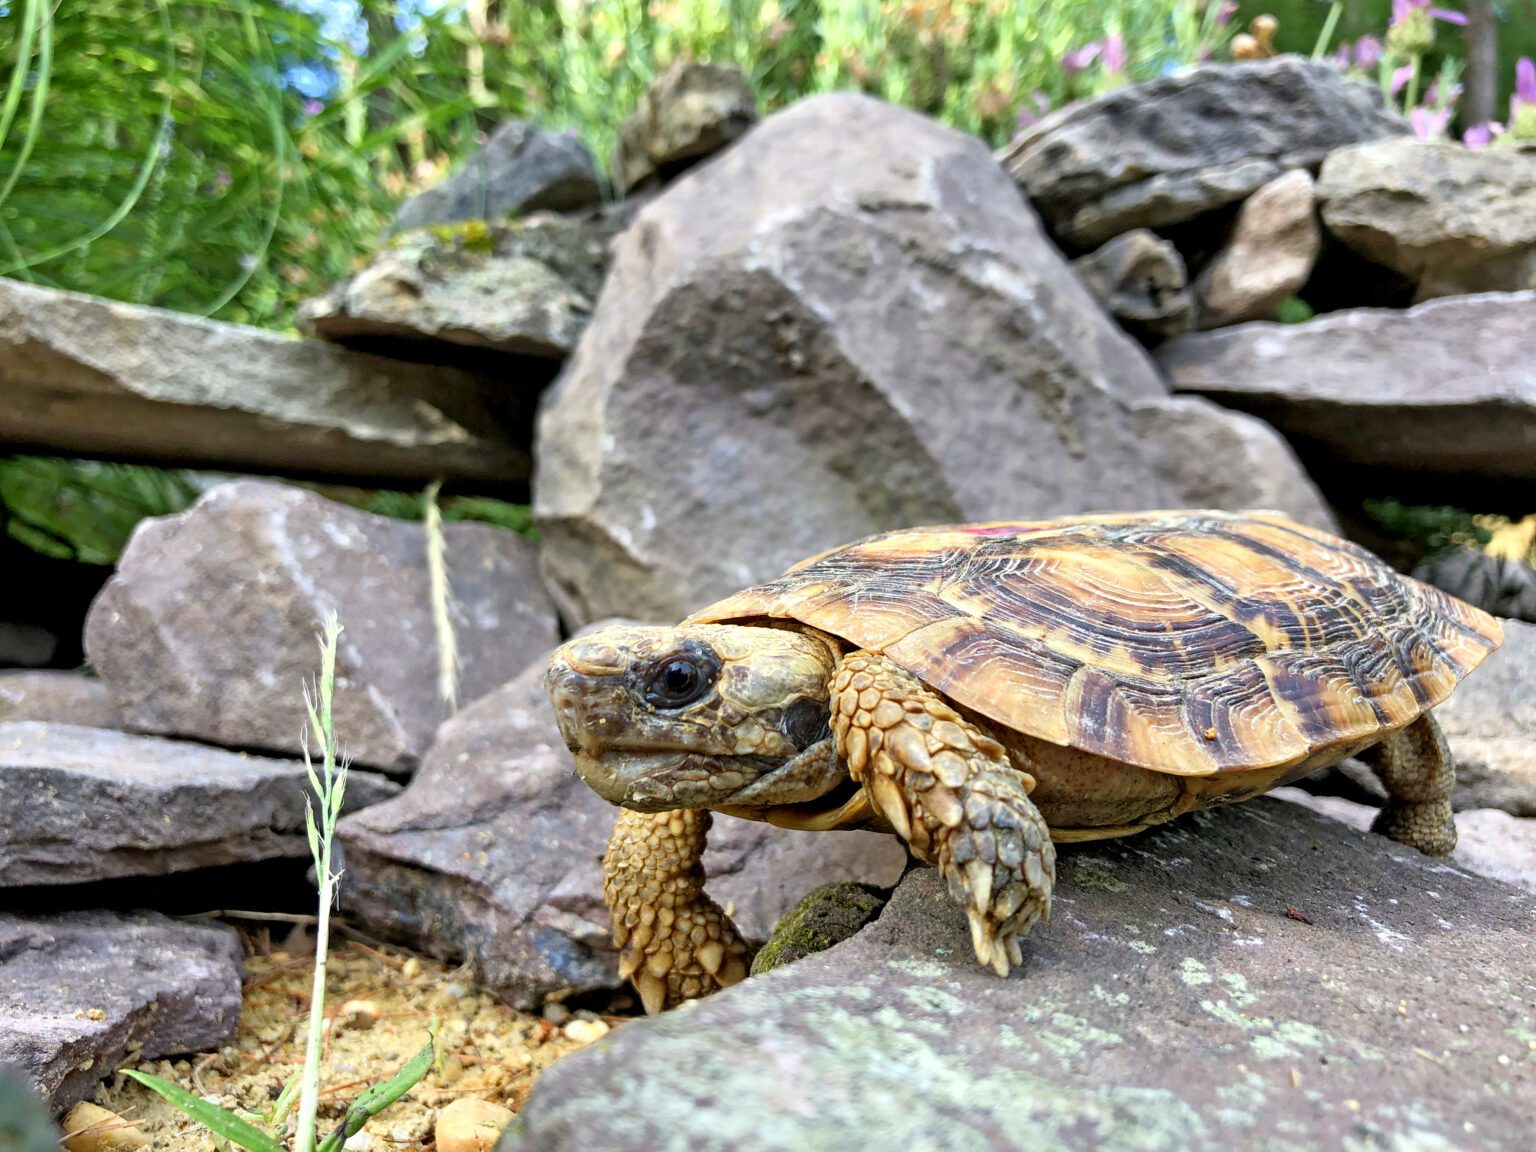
(1411, 93)
(1330, 25)
(329, 789)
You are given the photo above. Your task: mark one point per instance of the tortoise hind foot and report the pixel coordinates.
(1415, 767)
(675, 943)
(952, 793)
(1430, 827)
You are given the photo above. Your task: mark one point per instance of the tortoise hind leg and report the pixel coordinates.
(951, 792)
(674, 942)
(1415, 767)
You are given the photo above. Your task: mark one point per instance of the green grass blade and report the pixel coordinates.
(211, 1116)
(378, 1098)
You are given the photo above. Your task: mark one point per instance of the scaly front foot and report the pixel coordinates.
(675, 943)
(952, 793)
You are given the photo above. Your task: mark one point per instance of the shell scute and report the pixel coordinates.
(1185, 642)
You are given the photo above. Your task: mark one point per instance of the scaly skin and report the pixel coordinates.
(950, 791)
(674, 942)
(1415, 767)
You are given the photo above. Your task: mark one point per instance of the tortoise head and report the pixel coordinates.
(705, 716)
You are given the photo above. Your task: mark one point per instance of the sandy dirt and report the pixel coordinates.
(487, 1050)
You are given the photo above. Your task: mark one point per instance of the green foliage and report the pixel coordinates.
(1294, 310)
(219, 1121)
(483, 509)
(162, 153)
(24, 1122)
(1432, 528)
(82, 509)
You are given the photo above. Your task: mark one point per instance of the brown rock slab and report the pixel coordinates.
(494, 853)
(1452, 219)
(83, 376)
(694, 109)
(525, 287)
(1165, 151)
(1270, 255)
(520, 169)
(58, 698)
(1446, 387)
(208, 629)
(1253, 977)
(79, 990)
(1141, 279)
(846, 323)
(82, 804)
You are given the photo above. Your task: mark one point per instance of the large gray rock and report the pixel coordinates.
(82, 376)
(520, 169)
(1159, 153)
(82, 804)
(208, 629)
(525, 287)
(1448, 386)
(1450, 218)
(1490, 722)
(57, 697)
(848, 322)
(693, 110)
(1498, 584)
(1212, 457)
(494, 853)
(1141, 280)
(78, 990)
(1269, 256)
(1254, 977)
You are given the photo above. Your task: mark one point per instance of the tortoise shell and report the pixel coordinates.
(1184, 642)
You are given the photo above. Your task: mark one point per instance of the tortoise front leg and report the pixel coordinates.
(952, 793)
(675, 943)
(1416, 769)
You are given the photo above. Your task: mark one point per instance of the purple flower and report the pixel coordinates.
(1224, 12)
(221, 180)
(1400, 77)
(1429, 123)
(1367, 53)
(1114, 55)
(1481, 135)
(1405, 10)
(313, 107)
(1079, 58)
(1525, 81)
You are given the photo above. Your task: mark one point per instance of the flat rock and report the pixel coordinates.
(494, 853)
(1254, 977)
(82, 804)
(694, 109)
(83, 376)
(1488, 842)
(1140, 278)
(846, 323)
(1159, 153)
(1498, 584)
(1447, 387)
(79, 989)
(520, 169)
(1269, 256)
(525, 287)
(207, 630)
(57, 697)
(1452, 219)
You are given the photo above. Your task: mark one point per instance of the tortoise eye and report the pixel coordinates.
(679, 680)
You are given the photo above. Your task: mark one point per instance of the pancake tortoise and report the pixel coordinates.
(983, 690)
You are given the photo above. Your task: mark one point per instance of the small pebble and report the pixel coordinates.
(556, 1014)
(586, 1031)
(359, 1015)
(411, 968)
(90, 1128)
(471, 1125)
(360, 1142)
